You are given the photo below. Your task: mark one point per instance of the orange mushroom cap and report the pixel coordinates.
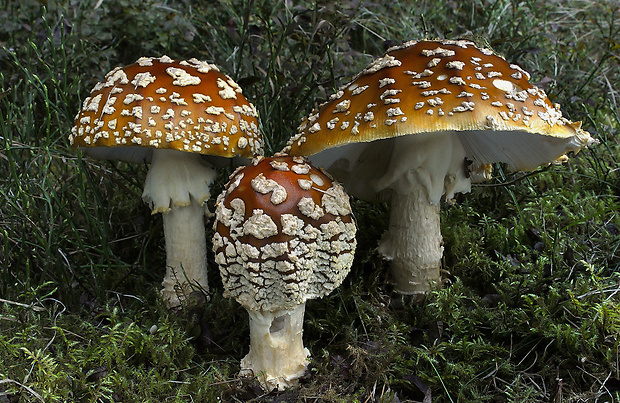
(166, 104)
(433, 86)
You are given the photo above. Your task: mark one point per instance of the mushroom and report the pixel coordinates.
(168, 113)
(427, 119)
(284, 234)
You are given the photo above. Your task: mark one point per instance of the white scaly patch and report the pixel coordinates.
(143, 79)
(226, 90)
(181, 77)
(263, 185)
(310, 209)
(260, 225)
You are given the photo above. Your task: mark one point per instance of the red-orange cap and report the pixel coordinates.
(433, 86)
(284, 234)
(162, 103)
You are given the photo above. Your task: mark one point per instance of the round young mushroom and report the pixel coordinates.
(168, 113)
(425, 120)
(284, 234)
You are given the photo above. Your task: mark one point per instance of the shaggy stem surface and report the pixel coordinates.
(177, 185)
(277, 355)
(186, 253)
(413, 242)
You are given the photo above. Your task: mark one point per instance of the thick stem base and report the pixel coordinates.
(413, 242)
(186, 253)
(277, 355)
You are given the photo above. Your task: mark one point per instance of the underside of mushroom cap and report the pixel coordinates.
(364, 167)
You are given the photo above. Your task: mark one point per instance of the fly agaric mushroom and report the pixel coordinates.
(284, 235)
(169, 113)
(425, 120)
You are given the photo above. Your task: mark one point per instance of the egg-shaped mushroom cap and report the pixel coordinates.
(284, 234)
(161, 103)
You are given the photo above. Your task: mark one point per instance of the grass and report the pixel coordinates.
(531, 308)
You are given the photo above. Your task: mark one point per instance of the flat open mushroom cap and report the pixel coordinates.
(284, 234)
(445, 86)
(160, 103)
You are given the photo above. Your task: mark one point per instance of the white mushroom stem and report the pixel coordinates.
(421, 169)
(177, 185)
(277, 355)
(413, 242)
(186, 253)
